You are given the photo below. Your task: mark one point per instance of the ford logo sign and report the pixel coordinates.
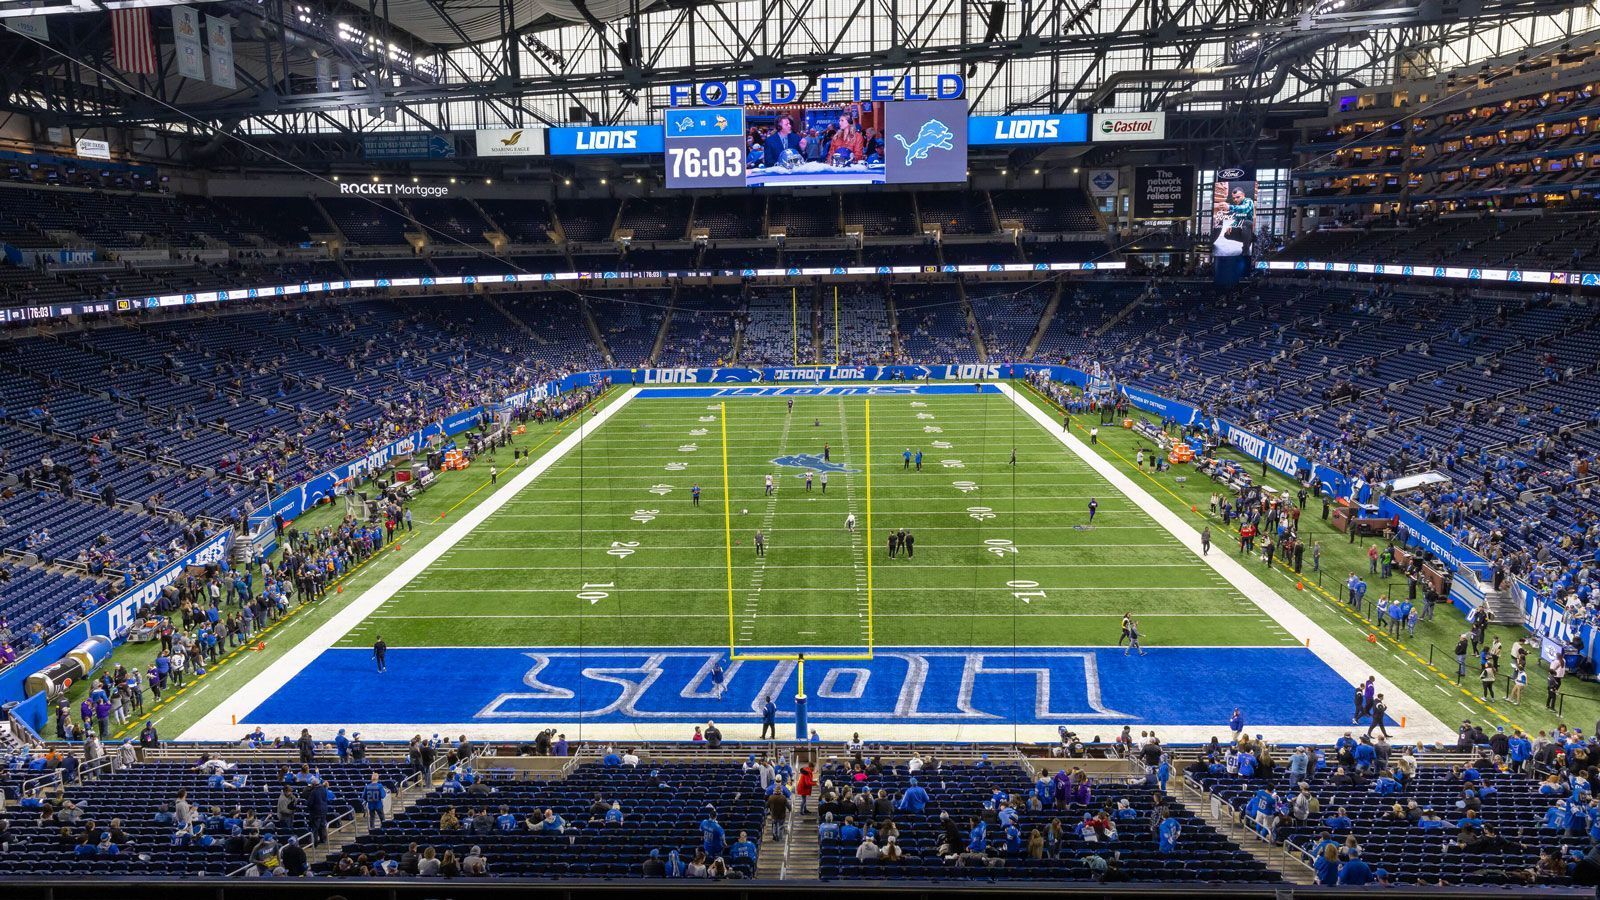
(1234, 174)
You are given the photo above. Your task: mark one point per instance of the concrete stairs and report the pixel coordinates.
(1223, 819)
(798, 857)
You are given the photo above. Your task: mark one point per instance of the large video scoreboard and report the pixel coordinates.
(859, 131)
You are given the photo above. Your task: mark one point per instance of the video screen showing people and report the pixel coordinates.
(1233, 213)
(797, 145)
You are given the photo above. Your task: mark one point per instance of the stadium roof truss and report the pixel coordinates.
(455, 65)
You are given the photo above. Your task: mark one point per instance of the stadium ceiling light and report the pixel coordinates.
(452, 179)
(335, 178)
(1002, 171)
(602, 181)
(415, 179)
(488, 181)
(374, 179)
(567, 182)
(1035, 171)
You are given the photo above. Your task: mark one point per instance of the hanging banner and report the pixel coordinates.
(1163, 192)
(1104, 182)
(29, 26)
(186, 41)
(219, 35)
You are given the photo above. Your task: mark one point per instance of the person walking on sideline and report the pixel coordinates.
(380, 654)
(1205, 540)
(1133, 639)
(769, 719)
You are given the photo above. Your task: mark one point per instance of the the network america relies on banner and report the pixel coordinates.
(1163, 192)
(219, 36)
(186, 42)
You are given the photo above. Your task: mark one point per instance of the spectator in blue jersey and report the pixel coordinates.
(552, 823)
(341, 746)
(1167, 834)
(1236, 723)
(743, 853)
(1355, 872)
(1339, 821)
(915, 799)
(712, 838)
(373, 793)
(506, 821)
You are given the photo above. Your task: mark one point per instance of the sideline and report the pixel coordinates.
(219, 723)
(1420, 723)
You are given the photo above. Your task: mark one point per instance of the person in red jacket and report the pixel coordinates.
(804, 786)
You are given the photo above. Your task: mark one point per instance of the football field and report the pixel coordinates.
(591, 591)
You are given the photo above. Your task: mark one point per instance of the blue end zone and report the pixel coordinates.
(817, 390)
(900, 685)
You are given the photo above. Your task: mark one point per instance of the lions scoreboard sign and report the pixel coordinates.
(1071, 128)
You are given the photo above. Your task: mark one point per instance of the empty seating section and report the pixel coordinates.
(966, 792)
(522, 221)
(702, 327)
(863, 329)
(933, 324)
(657, 219)
(1008, 315)
(804, 217)
(1046, 211)
(285, 221)
(136, 795)
(885, 213)
(729, 217)
(450, 221)
(778, 331)
(662, 807)
(587, 220)
(369, 222)
(560, 330)
(629, 323)
(956, 212)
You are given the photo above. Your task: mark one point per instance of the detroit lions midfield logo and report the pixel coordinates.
(934, 134)
(812, 462)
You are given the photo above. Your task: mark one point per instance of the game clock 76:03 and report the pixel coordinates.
(705, 162)
(705, 148)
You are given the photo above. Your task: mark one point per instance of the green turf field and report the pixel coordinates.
(607, 548)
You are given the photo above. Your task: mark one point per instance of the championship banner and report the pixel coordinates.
(1104, 182)
(186, 41)
(29, 26)
(219, 35)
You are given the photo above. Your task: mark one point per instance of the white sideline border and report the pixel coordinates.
(1420, 723)
(218, 724)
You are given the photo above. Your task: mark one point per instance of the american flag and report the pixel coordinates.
(132, 42)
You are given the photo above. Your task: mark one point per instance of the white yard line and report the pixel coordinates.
(218, 723)
(1422, 725)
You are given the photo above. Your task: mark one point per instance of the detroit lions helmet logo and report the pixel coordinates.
(933, 135)
(811, 461)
